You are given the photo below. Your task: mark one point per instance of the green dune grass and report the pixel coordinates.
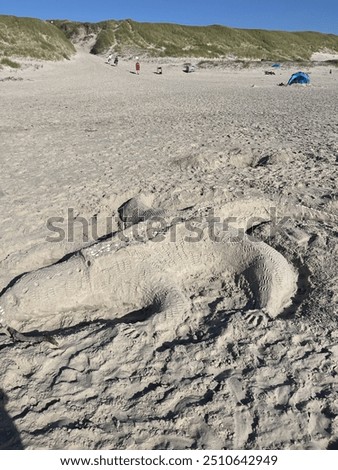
(33, 38)
(172, 40)
(53, 40)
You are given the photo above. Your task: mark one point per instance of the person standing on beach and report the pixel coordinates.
(138, 67)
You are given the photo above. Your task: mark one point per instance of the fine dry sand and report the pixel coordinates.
(164, 343)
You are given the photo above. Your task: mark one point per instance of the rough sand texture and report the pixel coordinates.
(170, 344)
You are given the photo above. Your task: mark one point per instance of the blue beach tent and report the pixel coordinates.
(299, 77)
(276, 66)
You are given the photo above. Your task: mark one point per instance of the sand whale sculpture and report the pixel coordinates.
(137, 270)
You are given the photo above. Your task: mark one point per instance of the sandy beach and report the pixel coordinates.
(169, 345)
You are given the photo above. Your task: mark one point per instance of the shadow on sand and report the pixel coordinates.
(9, 435)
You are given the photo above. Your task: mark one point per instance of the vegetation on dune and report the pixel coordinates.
(219, 41)
(333, 62)
(74, 30)
(172, 40)
(105, 40)
(28, 37)
(33, 38)
(9, 63)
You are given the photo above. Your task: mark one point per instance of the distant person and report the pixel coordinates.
(138, 67)
(116, 61)
(109, 58)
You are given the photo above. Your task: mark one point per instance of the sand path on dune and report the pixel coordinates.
(165, 355)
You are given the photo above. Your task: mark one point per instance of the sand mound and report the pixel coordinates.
(246, 156)
(136, 210)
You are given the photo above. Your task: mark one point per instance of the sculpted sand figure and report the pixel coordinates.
(137, 270)
(241, 213)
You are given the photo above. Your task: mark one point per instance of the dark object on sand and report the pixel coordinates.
(187, 68)
(159, 71)
(267, 72)
(116, 61)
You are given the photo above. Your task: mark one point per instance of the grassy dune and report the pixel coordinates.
(53, 40)
(162, 39)
(33, 38)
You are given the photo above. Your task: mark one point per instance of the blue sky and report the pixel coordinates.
(291, 15)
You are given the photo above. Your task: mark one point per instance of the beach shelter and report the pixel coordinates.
(299, 77)
(276, 66)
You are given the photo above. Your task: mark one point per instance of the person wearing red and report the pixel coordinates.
(138, 67)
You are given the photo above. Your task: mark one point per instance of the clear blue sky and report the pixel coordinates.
(291, 15)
